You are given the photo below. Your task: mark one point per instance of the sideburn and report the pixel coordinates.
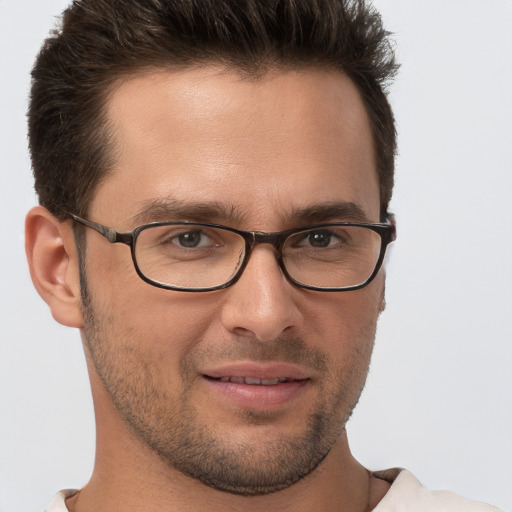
(80, 244)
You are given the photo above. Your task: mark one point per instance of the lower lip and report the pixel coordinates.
(258, 396)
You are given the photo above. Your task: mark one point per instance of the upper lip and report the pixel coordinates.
(273, 370)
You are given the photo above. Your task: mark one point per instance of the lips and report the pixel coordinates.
(257, 386)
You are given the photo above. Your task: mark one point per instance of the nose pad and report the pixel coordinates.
(262, 303)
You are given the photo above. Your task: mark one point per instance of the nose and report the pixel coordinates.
(262, 303)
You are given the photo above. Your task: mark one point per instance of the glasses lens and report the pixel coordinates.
(189, 256)
(332, 256)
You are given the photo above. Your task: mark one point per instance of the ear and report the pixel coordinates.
(53, 263)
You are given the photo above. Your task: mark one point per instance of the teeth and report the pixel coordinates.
(252, 381)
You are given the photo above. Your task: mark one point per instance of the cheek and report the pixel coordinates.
(160, 324)
(348, 310)
(140, 340)
(346, 323)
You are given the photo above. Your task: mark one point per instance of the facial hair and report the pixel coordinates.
(169, 423)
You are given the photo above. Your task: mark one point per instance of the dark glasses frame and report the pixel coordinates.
(386, 231)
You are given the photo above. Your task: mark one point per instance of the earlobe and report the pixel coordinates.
(53, 263)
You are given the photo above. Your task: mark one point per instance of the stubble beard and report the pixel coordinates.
(170, 425)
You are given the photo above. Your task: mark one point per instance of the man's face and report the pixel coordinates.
(198, 377)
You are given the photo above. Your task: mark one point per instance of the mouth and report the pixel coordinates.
(257, 386)
(253, 381)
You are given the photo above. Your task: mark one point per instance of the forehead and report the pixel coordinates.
(260, 148)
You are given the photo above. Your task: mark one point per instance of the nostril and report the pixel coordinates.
(243, 332)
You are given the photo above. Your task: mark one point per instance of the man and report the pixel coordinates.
(244, 154)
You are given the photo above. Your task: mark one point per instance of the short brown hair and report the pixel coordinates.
(99, 41)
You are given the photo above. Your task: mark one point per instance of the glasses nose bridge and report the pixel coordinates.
(275, 239)
(254, 238)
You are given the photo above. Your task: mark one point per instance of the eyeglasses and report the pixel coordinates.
(198, 257)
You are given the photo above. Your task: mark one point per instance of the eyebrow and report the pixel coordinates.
(333, 211)
(170, 208)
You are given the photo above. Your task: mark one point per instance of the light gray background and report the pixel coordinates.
(439, 395)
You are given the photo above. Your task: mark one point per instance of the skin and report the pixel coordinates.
(262, 150)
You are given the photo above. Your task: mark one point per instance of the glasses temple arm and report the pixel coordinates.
(110, 234)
